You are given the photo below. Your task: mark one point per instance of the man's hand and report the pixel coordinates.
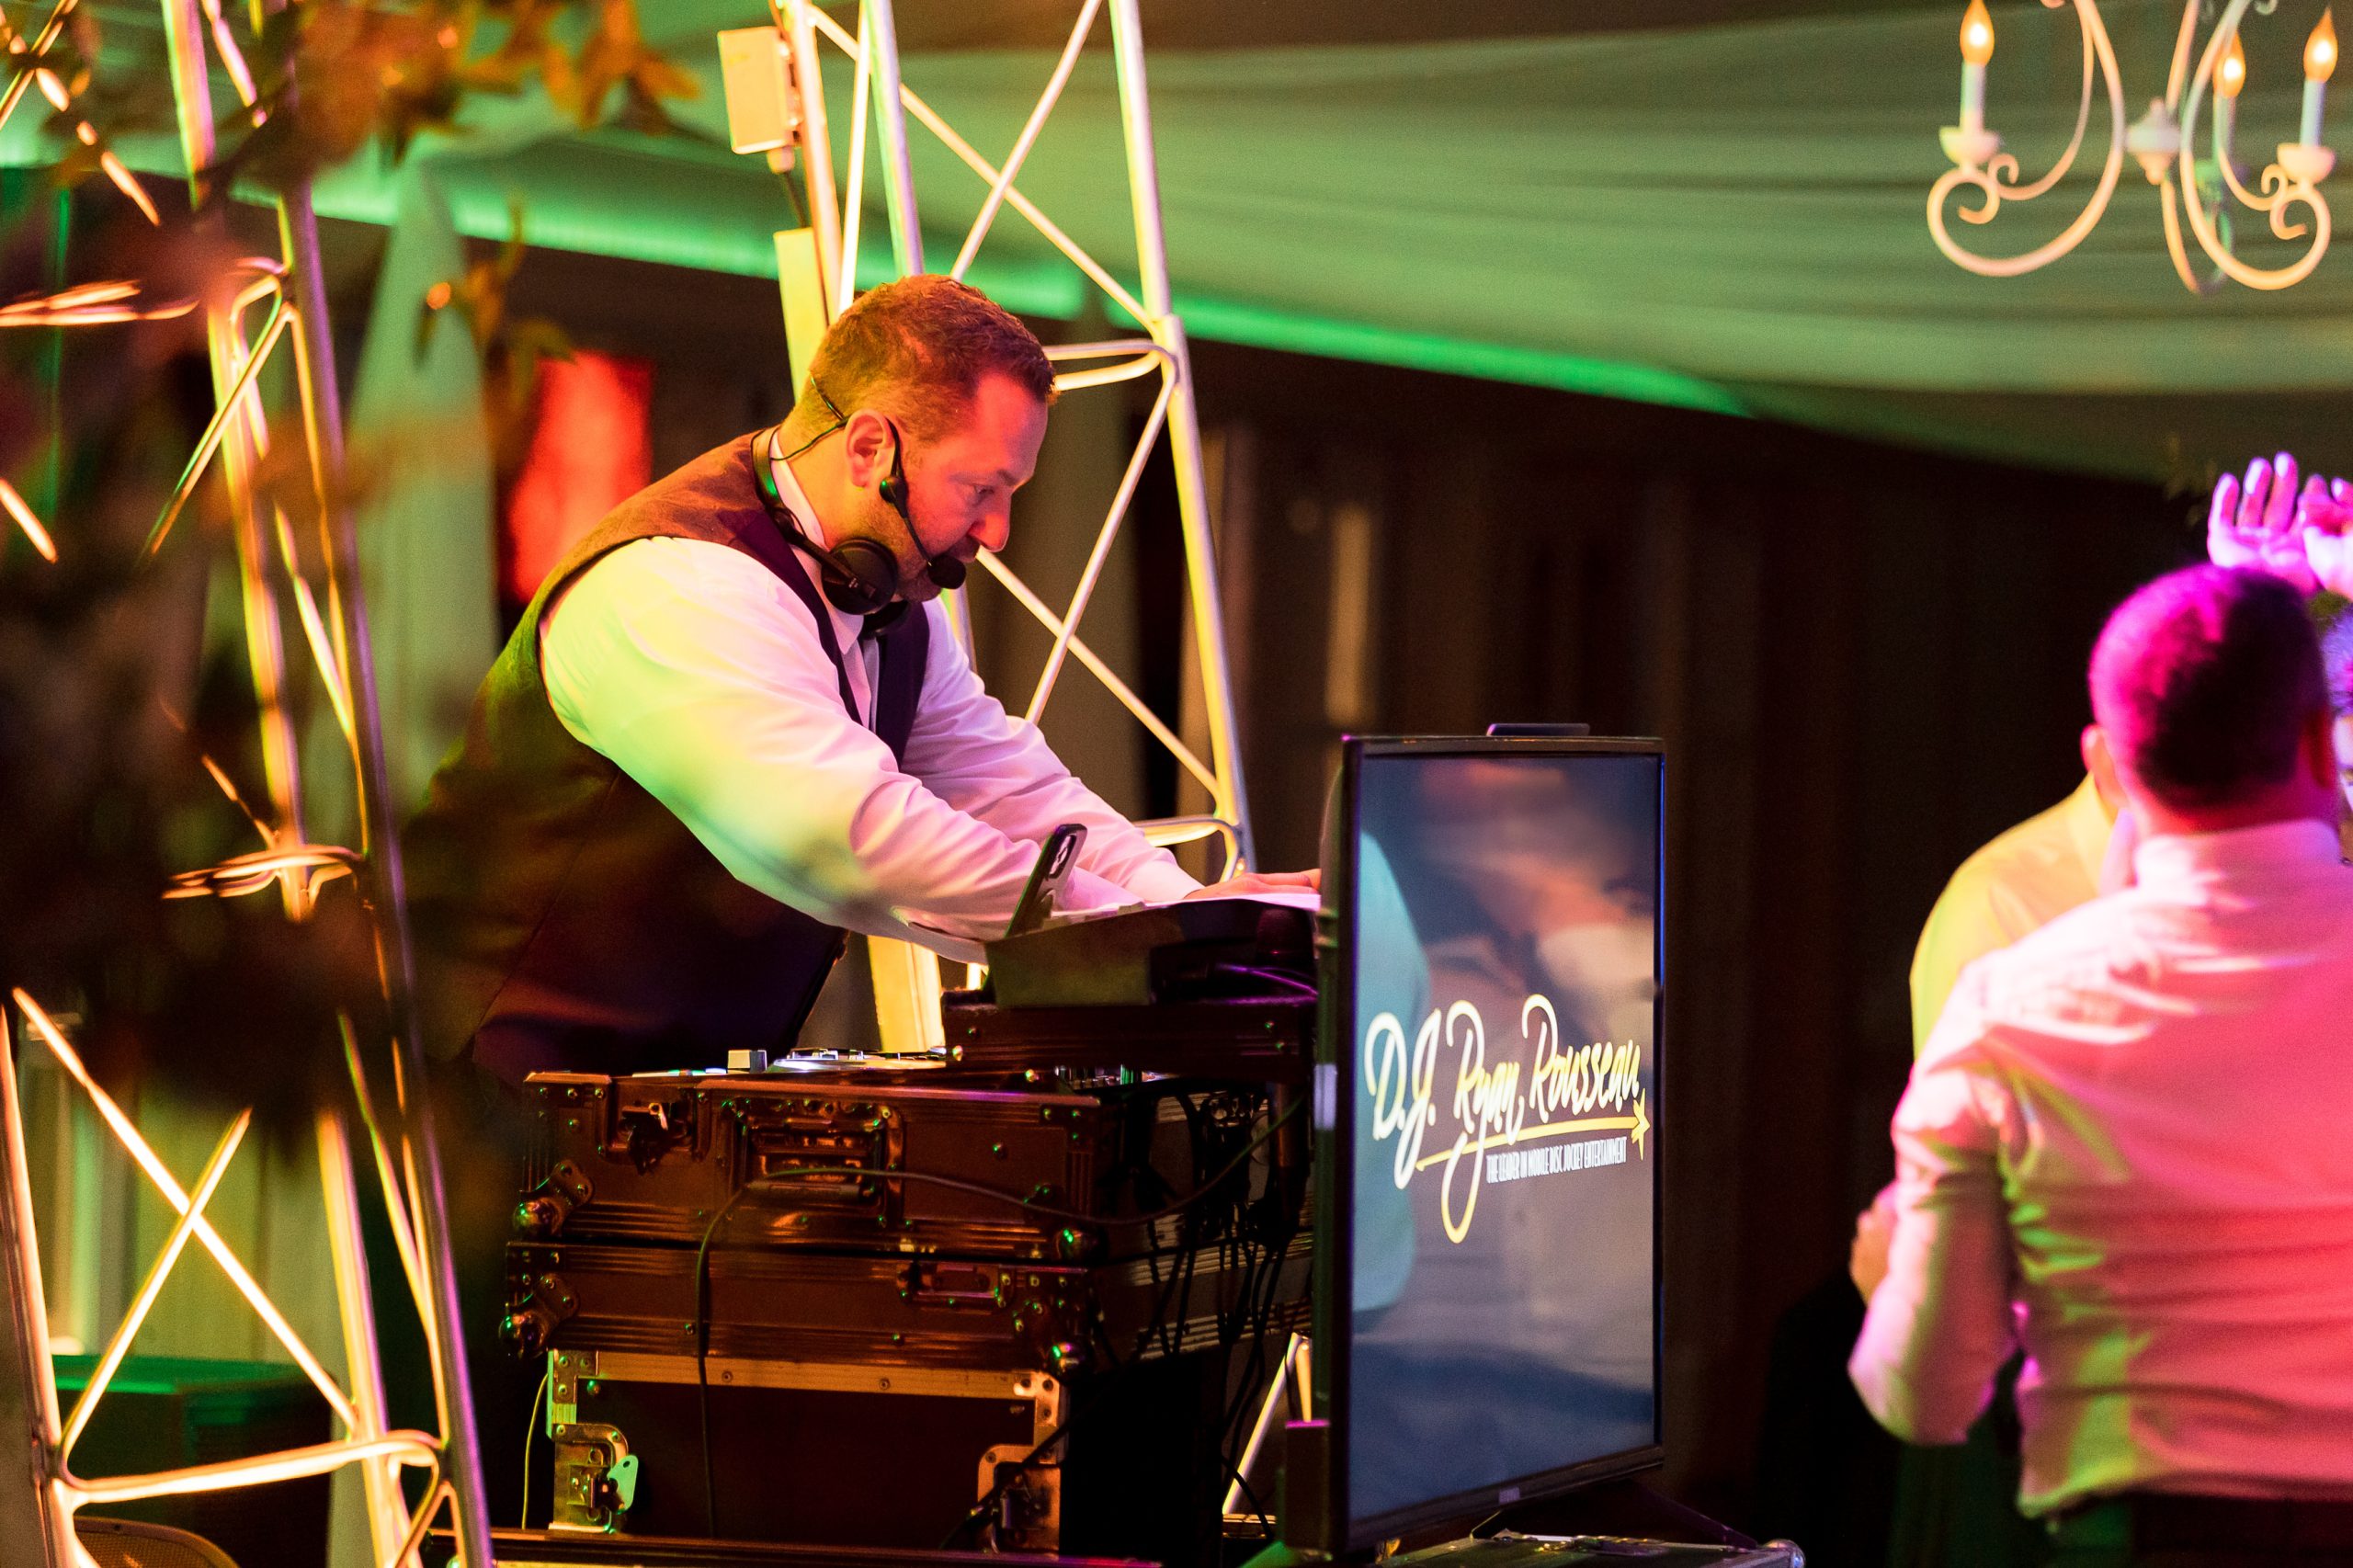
(1252, 883)
(2261, 522)
(1874, 1228)
(2325, 519)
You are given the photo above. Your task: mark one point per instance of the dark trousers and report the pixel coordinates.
(2155, 1531)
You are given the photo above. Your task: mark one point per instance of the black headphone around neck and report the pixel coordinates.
(859, 576)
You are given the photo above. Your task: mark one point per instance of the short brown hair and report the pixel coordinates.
(917, 349)
(2204, 680)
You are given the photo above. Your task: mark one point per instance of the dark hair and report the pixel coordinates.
(2336, 663)
(917, 349)
(2204, 681)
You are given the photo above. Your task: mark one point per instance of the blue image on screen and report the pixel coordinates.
(1503, 1282)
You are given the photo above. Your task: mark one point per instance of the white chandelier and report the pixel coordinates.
(2163, 141)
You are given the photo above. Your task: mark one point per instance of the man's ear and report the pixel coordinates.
(2101, 766)
(867, 442)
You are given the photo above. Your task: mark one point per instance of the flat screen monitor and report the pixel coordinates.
(1487, 1116)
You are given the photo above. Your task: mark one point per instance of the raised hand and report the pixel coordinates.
(2324, 524)
(2254, 523)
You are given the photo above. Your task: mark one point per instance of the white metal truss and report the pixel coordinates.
(320, 575)
(879, 98)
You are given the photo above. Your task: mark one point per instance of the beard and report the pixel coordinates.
(880, 524)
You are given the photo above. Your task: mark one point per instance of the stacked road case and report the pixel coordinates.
(905, 1305)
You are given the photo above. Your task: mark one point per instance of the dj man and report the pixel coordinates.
(733, 724)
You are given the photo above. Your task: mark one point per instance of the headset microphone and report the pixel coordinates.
(859, 576)
(945, 571)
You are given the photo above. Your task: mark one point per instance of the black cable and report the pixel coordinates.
(1258, 1261)
(1159, 1324)
(1265, 1287)
(1272, 1237)
(1249, 1496)
(1170, 1326)
(1189, 1259)
(792, 193)
(1237, 1407)
(702, 1356)
(1201, 1124)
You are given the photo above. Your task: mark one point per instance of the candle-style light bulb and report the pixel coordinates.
(2320, 59)
(2320, 50)
(2229, 77)
(1976, 34)
(1976, 49)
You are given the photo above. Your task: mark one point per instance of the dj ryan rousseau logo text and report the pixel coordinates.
(1506, 1117)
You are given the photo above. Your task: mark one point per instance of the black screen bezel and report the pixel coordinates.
(1335, 1164)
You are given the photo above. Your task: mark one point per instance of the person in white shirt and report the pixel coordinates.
(734, 725)
(2123, 1146)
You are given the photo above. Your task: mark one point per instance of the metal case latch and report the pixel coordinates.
(596, 1479)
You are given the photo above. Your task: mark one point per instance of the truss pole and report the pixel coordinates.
(265, 651)
(387, 1509)
(35, 1526)
(380, 869)
(853, 209)
(1184, 421)
(882, 35)
(816, 145)
(379, 874)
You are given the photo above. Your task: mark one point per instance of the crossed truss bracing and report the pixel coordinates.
(397, 1530)
(883, 102)
(293, 544)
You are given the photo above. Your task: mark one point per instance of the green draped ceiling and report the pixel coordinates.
(1728, 218)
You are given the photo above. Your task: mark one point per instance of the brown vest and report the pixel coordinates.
(564, 917)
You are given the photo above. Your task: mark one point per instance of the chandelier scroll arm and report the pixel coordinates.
(2296, 174)
(2177, 252)
(2074, 143)
(1975, 159)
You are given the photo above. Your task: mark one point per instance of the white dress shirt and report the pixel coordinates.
(699, 674)
(2127, 1144)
